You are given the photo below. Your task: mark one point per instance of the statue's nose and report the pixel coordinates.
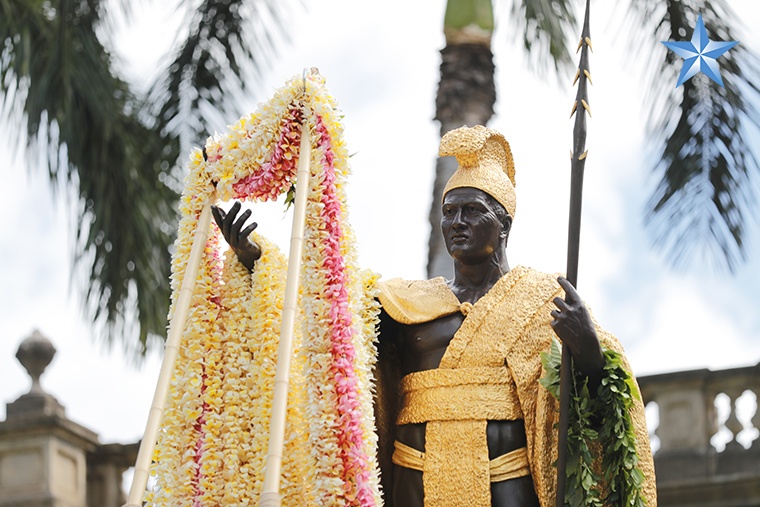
(458, 222)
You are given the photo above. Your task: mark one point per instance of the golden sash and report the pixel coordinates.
(511, 465)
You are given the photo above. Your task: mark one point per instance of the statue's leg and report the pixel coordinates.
(514, 493)
(407, 487)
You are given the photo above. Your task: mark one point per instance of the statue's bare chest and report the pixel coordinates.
(423, 345)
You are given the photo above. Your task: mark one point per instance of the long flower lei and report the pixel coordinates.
(214, 435)
(599, 426)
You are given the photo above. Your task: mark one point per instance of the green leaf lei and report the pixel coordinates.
(600, 425)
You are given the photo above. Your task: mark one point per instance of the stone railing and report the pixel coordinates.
(705, 435)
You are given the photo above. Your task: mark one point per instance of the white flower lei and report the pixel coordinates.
(214, 435)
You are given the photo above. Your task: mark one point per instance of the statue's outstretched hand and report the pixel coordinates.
(573, 325)
(247, 251)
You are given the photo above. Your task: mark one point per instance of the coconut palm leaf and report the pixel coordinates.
(549, 30)
(703, 201)
(209, 72)
(81, 124)
(114, 158)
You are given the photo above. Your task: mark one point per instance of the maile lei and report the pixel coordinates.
(599, 426)
(214, 434)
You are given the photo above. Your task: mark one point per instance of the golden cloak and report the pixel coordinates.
(508, 327)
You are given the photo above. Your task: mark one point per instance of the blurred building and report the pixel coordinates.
(691, 470)
(47, 460)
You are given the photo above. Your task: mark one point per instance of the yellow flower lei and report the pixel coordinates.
(214, 434)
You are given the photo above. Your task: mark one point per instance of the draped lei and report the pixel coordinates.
(214, 435)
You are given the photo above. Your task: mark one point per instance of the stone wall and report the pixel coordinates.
(706, 458)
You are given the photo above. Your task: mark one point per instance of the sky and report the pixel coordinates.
(382, 67)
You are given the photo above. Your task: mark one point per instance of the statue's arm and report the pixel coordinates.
(573, 325)
(247, 251)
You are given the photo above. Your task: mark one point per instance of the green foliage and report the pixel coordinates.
(209, 72)
(116, 153)
(290, 197)
(620, 460)
(602, 460)
(546, 27)
(82, 123)
(707, 167)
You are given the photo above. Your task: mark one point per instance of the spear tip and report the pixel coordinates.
(586, 107)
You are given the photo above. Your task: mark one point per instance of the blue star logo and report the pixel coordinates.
(700, 54)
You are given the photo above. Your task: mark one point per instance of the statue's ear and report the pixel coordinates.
(506, 226)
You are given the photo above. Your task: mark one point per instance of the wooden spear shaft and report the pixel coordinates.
(270, 494)
(580, 108)
(171, 351)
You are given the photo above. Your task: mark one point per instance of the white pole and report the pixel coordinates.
(270, 494)
(171, 350)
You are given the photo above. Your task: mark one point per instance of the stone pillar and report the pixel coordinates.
(105, 470)
(686, 419)
(43, 455)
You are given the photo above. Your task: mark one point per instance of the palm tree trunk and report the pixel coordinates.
(466, 96)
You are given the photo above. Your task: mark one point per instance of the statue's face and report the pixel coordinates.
(471, 228)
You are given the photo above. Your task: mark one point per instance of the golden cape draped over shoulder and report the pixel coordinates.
(509, 326)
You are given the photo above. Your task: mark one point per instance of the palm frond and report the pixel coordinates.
(22, 28)
(227, 47)
(546, 26)
(81, 123)
(703, 201)
(114, 153)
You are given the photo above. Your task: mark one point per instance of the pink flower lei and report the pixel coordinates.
(257, 161)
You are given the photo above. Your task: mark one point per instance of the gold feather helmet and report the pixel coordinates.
(485, 162)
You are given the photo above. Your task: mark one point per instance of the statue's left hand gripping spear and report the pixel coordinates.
(578, 163)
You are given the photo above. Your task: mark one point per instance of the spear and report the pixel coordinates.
(578, 162)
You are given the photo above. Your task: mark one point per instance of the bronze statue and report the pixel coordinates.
(470, 420)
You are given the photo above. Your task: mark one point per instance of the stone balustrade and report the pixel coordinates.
(706, 435)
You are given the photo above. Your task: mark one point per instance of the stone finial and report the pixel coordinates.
(35, 354)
